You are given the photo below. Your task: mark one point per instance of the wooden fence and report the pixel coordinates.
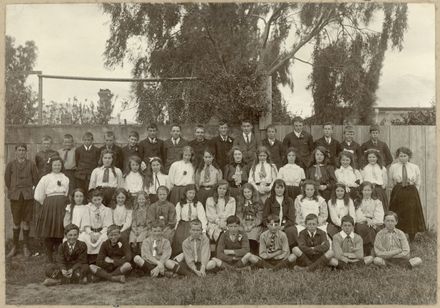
(420, 139)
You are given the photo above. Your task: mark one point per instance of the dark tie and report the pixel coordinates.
(106, 176)
(272, 243)
(318, 173)
(157, 184)
(262, 172)
(71, 249)
(247, 138)
(404, 176)
(66, 152)
(189, 211)
(207, 174)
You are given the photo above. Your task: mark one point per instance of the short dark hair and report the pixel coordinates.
(327, 123)
(68, 136)
(347, 218)
(273, 217)
(311, 216)
(163, 187)
(298, 119)
(70, 227)
(21, 145)
(196, 222)
(391, 213)
(404, 150)
(109, 133)
(271, 126)
(176, 125)
(246, 121)
(133, 133)
(222, 122)
(374, 127)
(97, 192)
(152, 125)
(232, 220)
(157, 224)
(88, 135)
(47, 138)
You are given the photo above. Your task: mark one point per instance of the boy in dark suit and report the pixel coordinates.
(375, 143)
(301, 141)
(42, 157)
(173, 147)
(131, 149)
(313, 250)
(110, 145)
(221, 145)
(199, 144)
(152, 146)
(331, 144)
(247, 141)
(275, 147)
(20, 176)
(86, 158)
(71, 264)
(351, 146)
(114, 257)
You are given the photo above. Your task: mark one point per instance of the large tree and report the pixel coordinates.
(234, 47)
(20, 99)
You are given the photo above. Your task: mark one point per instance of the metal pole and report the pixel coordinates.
(40, 99)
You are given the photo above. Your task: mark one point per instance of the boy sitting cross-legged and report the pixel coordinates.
(155, 252)
(348, 246)
(233, 247)
(313, 249)
(274, 246)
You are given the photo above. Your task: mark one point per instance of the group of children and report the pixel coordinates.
(161, 206)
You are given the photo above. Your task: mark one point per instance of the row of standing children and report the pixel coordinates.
(261, 174)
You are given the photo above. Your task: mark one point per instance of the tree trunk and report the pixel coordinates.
(266, 117)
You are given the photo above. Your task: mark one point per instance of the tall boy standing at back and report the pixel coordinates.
(199, 144)
(151, 146)
(67, 154)
(375, 143)
(21, 176)
(42, 157)
(221, 145)
(86, 158)
(301, 141)
(275, 147)
(330, 143)
(247, 141)
(351, 146)
(173, 147)
(110, 145)
(131, 149)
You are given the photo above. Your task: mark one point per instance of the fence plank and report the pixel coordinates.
(418, 145)
(429, 175)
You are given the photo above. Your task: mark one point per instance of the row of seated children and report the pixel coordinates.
(313, 252)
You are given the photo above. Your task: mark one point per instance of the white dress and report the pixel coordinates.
(217, 215)
(100, 218)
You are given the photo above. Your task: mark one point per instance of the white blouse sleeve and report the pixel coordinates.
(417, 182)
(128, 220)
(93, 179)
(40, 190)
(384, 177)
(119, 178)
(172, 174)
(211, 212)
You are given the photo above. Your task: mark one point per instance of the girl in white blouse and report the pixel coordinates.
(310, 202)
(339, 205)
(155, 178)
(292, 174)
(51, 192)
(348, 175)
(187, 209)
(122, 212)
(77, 212)
(369, 216)
(262, 173)
(405, 199)
(207, 176)
(100, 219)
(181, 173)
(134, 180)
(376, 173)
(107, 177)
(219, 207)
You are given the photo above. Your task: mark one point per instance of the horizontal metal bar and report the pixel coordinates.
(120, 79)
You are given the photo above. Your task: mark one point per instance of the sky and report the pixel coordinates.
(77, 45)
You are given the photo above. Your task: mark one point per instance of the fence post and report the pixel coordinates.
(40, 99)
(266, 117)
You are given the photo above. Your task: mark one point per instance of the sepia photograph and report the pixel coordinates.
(236, 153)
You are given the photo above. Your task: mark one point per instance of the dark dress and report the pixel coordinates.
(327, 178)
(405, 202)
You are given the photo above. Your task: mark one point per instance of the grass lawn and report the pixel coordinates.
(370, 285)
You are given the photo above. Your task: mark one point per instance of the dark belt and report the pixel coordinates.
(267, 184)
(96, 230)
(206, 187)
